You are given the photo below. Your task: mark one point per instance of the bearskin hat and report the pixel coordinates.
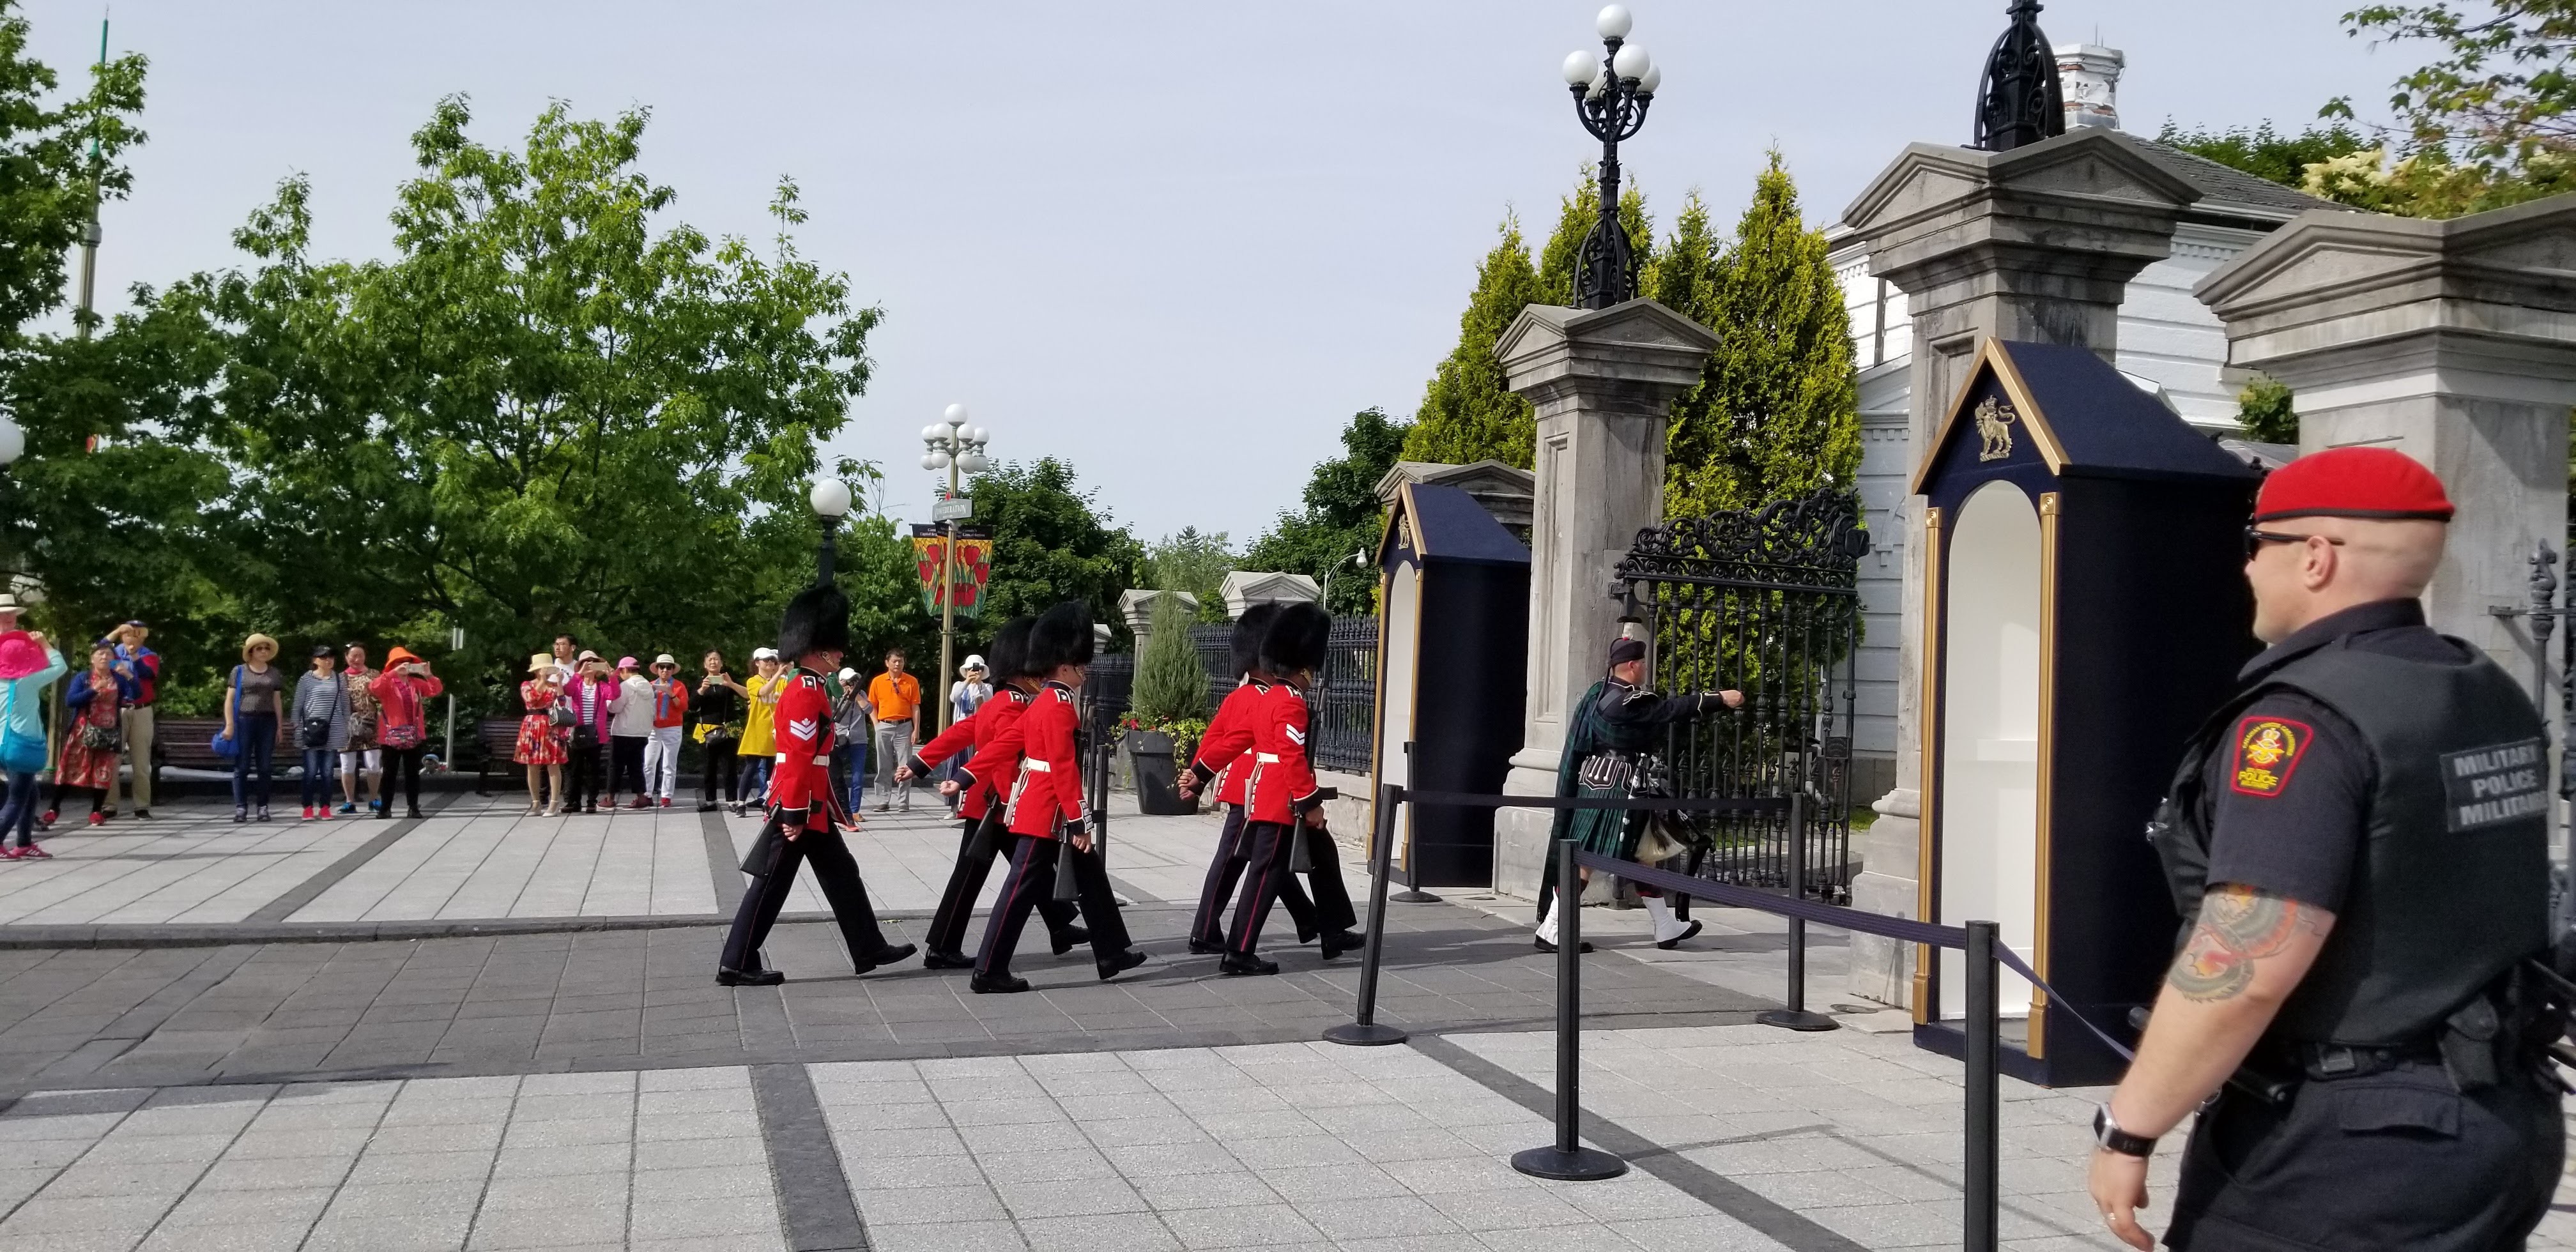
(1248, 631)
(1007, 657)
(1061, 636)
(817, 620)
(1297, 640)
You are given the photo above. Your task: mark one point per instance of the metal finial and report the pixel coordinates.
(2019, 101)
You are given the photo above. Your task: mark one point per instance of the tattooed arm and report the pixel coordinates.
(2246, 954)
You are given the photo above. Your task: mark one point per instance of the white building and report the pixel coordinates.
(2168, 342)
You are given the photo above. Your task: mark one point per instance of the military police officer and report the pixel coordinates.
(2358, 844)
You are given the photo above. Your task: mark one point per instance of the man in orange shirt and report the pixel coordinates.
(896, 698)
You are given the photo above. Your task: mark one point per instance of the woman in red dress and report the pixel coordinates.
(543, 746)
(92, 742)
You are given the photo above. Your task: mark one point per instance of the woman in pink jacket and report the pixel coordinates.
(401, 691)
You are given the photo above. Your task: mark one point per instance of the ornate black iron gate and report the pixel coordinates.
(1766, 601)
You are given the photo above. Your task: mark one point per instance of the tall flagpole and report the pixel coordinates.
(90, 234)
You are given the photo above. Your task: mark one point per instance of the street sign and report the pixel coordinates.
(953, 509)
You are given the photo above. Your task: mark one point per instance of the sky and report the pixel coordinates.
(1174, 244)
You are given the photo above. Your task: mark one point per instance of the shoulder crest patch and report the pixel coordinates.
(2267, 753)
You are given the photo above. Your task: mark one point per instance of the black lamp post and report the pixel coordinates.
(2020, 100)
(831, 500)
(1611, 93)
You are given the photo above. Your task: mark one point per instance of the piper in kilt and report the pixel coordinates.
(1614, 727)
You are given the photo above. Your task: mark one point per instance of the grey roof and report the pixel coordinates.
(2225, 188)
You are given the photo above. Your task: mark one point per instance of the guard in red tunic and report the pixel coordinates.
(802, 809)
(1282, 795)
(1046, 810)
(1225, 758)
(981, 835)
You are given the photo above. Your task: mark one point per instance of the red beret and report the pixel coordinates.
(2353, 482)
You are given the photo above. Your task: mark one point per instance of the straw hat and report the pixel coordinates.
(542, 662)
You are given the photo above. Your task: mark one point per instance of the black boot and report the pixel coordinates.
(1119, 964)
(1203, 947)
(1545, 946)
(984, 984)
(1238, 963)
(748, 977)
(1068, 939)
(947, 960)
(1341, 941)
(886, 955)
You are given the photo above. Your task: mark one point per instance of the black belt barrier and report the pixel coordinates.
(1567, 1158)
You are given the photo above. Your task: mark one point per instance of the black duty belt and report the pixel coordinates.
(2327, 1062)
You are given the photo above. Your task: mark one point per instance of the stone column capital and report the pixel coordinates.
(1628, 360)
(1137, 607)
(2073, 217)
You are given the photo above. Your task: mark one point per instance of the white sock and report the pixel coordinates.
(1547, 924)
(1666, 925)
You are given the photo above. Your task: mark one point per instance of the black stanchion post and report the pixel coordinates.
(1364, 1031)
(1413, 892)
(1796, 1016)
(1979, 1227)
(1567, 1160)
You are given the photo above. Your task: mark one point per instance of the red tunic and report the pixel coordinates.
(1049, 791)
(980, 728)
(1282, 782)
(804, 734)
(1228, 741)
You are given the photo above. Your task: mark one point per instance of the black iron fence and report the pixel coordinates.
(1765, 601)
(1343, 703)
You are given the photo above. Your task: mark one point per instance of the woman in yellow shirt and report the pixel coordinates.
(759, 743)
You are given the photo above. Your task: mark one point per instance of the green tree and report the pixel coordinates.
(57, 160)
(1191, 562)
(1776, 412)
(2498, 95)
(1340, 515)
(2264, 152)
(1467, 413)
(2266, 409)
(542, 414)
(1171, 684)
(1051, 542)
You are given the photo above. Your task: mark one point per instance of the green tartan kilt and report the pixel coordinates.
(1606, 832)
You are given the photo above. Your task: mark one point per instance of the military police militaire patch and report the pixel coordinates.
(2493, 785)
(2267, 753)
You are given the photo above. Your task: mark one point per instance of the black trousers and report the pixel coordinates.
(625, 764)
(721, 767)
(966, 884)
(1265, 871)
(1032, 879)
(2398, 1159)
(581, 770)
(835, 871)
(1208, 926)
(403, 763)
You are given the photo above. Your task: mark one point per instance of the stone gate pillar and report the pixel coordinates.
(2036, 245)
(2453, 341)
(1603, 381)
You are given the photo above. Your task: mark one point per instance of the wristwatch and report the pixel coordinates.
(2108, 1134)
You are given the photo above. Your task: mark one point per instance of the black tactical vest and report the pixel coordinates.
(2453, 884)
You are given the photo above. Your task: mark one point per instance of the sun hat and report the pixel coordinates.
(587, 655)
(848, 674)
(20, 654)
(626, 662)
(764, 654)
(974, 660)
(666, 659)
(400, 655)
(542, 661)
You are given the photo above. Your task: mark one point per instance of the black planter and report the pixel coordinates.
(1157, 794)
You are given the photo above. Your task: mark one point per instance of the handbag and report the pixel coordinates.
(223, 744)
(98, 738)
(559, 716)
(401, 738)
(314, 733)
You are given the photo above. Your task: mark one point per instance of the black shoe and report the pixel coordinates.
(887, 955)
(1237, 963)
(1341, 941)
(142, 815)
(706, 808)
(415, 815)
(1202, 947)
(1669, 944)
(748, 977)
(1119, 964)
(947, 960)
(1305, 937)
(383, 813)
(1068, 939)
(984, 984)
(1545, 946)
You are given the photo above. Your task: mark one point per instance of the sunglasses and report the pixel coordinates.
(2256, 537)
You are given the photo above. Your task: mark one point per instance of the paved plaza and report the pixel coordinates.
(486, 1030)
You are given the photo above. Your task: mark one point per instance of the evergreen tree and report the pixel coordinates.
(2268, 410)
(1776, 413)
(1467, 414)
(1684, 277)
(1171, 684)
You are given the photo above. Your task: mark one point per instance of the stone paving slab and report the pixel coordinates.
(522, 1003)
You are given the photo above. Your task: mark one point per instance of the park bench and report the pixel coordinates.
(498, 737)
(188, 743)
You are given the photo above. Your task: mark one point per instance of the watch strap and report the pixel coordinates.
(2110, 1137)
